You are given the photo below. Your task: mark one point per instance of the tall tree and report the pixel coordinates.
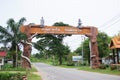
(103, 41)
(53, 43)
(59, 39)
(86, 50)
(103, 44)
(11, 34)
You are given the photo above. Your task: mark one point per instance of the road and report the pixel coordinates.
(49, 72)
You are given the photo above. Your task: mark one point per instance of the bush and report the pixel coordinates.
(113, 67)
(70, 64)
(102, 66)
(84, 64)
(69, 59)
(8, 67)
(11, 76)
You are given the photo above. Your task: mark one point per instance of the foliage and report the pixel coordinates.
(102, 39)
(113, 67)
(11, 76)
(86, 50)
(60, 24)
(8, 67)
(104, 71)
(10, 54)
(51, 45)
(18, 76)
(37, 55)
(11, 34)
(98, 70)
(79, 50)
(34, 58)
(103, 42)
(34, 77)
(69, 59)
(102, 66)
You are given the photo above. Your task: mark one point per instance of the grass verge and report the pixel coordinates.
(87, 68)
(104, 71)
(32, 76)
(7, 71)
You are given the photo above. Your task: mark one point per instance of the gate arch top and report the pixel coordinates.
(58, 30)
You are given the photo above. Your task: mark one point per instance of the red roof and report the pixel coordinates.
(2, 54)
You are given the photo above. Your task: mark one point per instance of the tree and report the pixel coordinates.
(59, 39)
(11, 34)
(86, 50)
(102, 39)
(69, 58)
(103, 44)
(53, 43)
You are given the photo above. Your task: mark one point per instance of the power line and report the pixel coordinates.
(112, 29)
(113, 23)
(110, 21)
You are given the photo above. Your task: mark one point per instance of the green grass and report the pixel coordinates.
(30, 73)
(8, 67)
(5, 75)
(104, 71)
(47, 61)
(11, 76)
(33, 69)
(87, 68)
(34, 77)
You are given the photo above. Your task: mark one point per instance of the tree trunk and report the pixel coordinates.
(14, 60)
(27, 51)
(16, 56)
(60, 60)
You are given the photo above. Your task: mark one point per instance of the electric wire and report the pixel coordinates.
(111, 25)
(104, 25)
(111, 28)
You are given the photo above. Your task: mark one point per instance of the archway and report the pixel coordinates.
(89, 31)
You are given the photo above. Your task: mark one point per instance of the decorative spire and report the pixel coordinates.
(79, 23)
(42, 22)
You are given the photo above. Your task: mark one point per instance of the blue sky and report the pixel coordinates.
(104, 14)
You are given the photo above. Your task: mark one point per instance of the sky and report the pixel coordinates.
(103, 14)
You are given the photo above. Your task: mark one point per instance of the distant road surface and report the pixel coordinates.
(49, 72)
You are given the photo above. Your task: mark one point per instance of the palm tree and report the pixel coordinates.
(11, 34)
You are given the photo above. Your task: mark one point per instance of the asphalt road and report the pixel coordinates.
(49, 72)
